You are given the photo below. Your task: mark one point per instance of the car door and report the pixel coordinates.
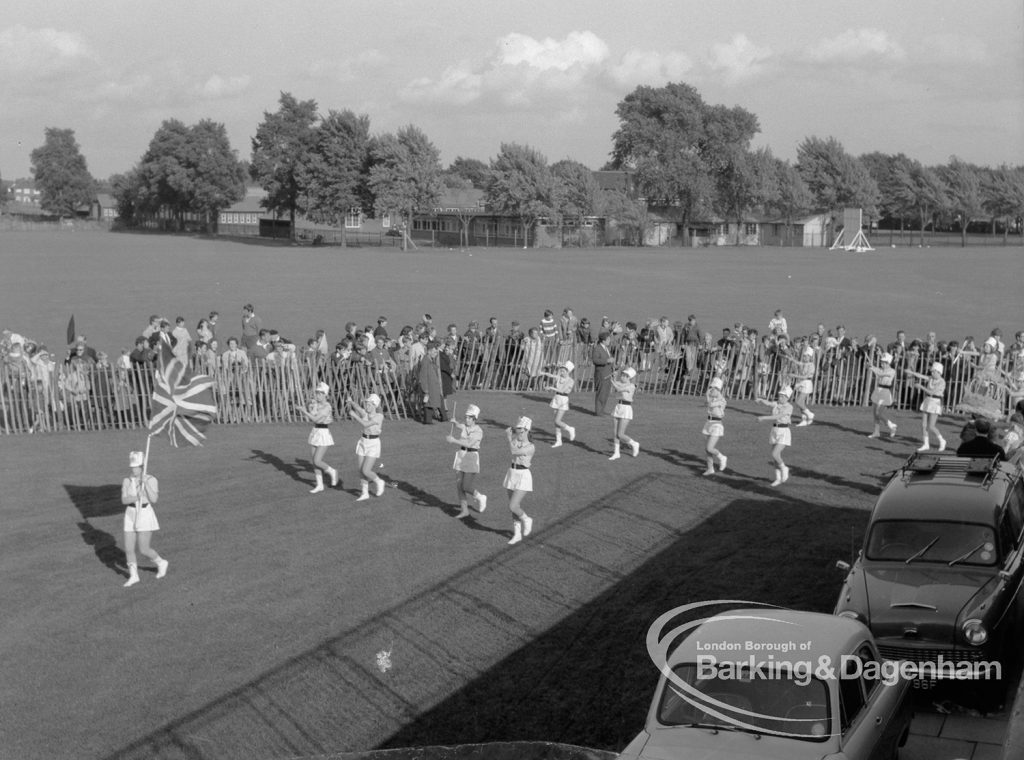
(871, 713)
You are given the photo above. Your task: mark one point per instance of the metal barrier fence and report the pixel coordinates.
(86, 397)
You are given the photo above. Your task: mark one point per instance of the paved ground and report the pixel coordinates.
(935, 736)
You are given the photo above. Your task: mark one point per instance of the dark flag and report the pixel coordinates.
(71, 330)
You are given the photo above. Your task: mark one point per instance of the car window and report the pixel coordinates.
(932, 541)
(1007, 536)
(1015, 506)
(851, 701)
(794, 705)
(870, 670)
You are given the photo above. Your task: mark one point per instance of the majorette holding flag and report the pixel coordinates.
(182, 402)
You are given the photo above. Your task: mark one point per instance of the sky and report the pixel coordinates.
(928, 78)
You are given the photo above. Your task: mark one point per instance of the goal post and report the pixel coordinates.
(851, 237)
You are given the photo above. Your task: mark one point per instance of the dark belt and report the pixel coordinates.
(141, 506)
(519, 466)
(624, 403)
(884, 386)
(562, 394)
(932, 395)
(778, 425)
(320, 425)
(370, 436)
(466, 448)
(717, 419)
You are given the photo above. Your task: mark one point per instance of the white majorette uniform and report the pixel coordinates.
(321, 416)
(934, 389)
(518, 477)
(884, 378)
(141, 518)
(467, 458)
(782, 411)
(623, 399)
(563, 387)
(806, 370)
(715, 402)
(369, 441)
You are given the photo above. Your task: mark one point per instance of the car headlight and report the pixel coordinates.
(975, 632)
(853, 615)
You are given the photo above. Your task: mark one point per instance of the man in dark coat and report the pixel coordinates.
(981, 445)
(602, 360)
(431, 390)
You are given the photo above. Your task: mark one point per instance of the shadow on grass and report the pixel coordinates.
(100, 501)
(544, 642)
(296, 471)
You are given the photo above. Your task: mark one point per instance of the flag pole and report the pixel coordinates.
(145, 466)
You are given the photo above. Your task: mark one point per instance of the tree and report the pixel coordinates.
(738, 174)
(522, 185)
(661, 135)
(792, 197)
(1003, 189)
(336, 172)
(217, 176)
(579, 192)
(472, 169)
(922, 189)
(127, 191)
(835, 178)
(884, 169)
(625, 212)
(405, 174)
(281, 151)
(966, 202)
(61, 173)
(163, 179)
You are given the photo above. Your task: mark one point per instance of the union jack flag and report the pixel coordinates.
(182, 402)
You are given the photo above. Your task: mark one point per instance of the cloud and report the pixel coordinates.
(217, 87)
(577, 49)
(738, 59)
(857, 45)
(524, 71)
(648, 67)
(41, 51)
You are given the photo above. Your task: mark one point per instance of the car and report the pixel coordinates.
(939, 576)
(774, 683)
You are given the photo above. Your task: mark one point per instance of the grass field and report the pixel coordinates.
(113, 282)
(263, 639)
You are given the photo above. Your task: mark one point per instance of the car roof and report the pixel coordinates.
(768, 631)
(959, 489)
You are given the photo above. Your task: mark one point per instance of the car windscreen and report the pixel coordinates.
(951, 543)
(777, 701)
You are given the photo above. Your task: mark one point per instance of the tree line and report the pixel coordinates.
(684, 157)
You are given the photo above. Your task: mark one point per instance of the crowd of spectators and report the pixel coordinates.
(257, 365)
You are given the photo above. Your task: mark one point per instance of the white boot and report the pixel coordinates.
(334, 476)
(942, 443)
(875, 433)
(161, 567)
(616, 454)
(723, 460)
(785, 473)
(892, 429)
(711, 466)
(517, 532)
(778, 477)
(558, 439)
(463, 511)
(379, 491)
(527, 525)
(133, 575)
(572, 433)
(925, 445)
(481, 501)
(635, 445)
(319, 482)
(364, 492)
